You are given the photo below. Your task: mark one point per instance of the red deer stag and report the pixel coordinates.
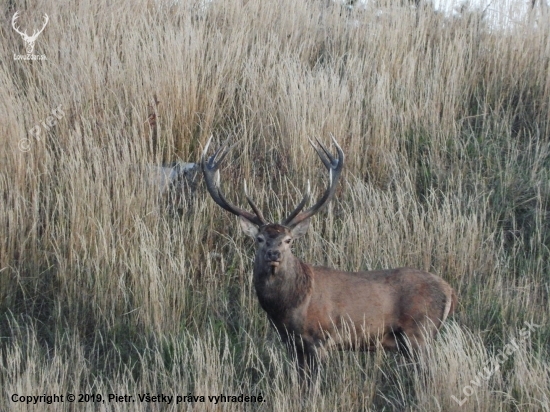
(313, 306)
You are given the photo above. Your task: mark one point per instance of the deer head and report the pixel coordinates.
(273, 240)
(29, 40)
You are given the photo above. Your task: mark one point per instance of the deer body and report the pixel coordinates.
(314, 307)
(379, 307)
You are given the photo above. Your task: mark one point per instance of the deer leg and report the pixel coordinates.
(307, 364)
(399, 341)
(412, 344)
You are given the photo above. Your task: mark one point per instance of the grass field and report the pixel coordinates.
(445, 123)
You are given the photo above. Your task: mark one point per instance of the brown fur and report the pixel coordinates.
(314, 307)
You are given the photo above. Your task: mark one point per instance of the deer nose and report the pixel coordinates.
(273, 255)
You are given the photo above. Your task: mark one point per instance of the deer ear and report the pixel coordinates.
(300, 229)
(248, 227)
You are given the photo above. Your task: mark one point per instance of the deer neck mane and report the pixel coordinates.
(284, 288)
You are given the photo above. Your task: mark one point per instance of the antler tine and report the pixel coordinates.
(323, 154)
(210, 168)
(328, 159)
(253, 206)
(299, 208)
(334, 166)
(223, 151)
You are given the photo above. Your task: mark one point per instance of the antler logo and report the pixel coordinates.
(29, 40)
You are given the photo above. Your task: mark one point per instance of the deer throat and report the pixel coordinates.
(282, 288)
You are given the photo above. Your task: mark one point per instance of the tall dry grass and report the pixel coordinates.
(445, 123)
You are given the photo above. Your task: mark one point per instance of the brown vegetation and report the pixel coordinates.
(445, 123)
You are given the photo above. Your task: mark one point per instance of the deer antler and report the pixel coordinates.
(334, 166)
(211, 165)
(210, 169)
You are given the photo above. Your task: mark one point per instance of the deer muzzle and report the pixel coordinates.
(273, 257)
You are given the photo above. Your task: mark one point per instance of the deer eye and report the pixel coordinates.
(260, 239)
(288, 241)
